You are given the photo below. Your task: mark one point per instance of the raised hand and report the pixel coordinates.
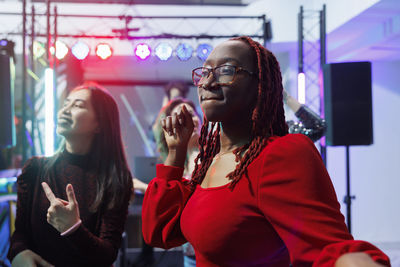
(62, 214)
(178, 130)
(28, 258)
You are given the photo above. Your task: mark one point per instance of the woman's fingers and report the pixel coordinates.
(174, 121)
(168, 125)
(187, 117)
(49, 194)
(171, 124)
(71, 195)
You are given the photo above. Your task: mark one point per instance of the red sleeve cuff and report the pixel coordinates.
(169, 172)
(332, 252)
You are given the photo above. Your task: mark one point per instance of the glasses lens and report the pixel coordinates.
(225, 74)
(198, 75)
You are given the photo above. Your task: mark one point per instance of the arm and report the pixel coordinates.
(102, 248)
(20, 238)
(163, 203)
(167, 194)
(139, 185)
(311, 124)
(297, 197)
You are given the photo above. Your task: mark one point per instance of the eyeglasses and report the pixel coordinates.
(223, 75)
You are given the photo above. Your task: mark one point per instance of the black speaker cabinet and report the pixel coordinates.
(348, 103)
(7, 126)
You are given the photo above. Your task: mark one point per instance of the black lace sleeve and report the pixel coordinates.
(309, 124)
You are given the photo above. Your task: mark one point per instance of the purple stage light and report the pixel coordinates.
(203, 50)
(142, 51)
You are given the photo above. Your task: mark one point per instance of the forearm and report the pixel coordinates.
(100, 246)
(163, 204)
(176, 157)
(293, 104)
(92, 248)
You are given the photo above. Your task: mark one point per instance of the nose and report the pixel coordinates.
(209, 82)
(66, 109)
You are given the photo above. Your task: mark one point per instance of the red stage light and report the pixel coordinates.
(103, 51)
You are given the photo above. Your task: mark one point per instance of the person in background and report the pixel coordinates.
(310, 124)
(258, 196)
(175, 89)
(72, 206)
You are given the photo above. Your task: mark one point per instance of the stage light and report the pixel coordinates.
(3, 42)
(103, 51)
(301, 88)
(184, 51)
(203, 50)
(142, 51)
(80, 50)
(61, 50)
(38, 49)
(49, 111)
(7, 47)
(163, 51)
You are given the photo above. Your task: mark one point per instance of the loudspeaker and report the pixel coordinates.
(348, 103)
(7, 126)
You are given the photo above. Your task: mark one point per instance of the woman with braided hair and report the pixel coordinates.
(258, 195)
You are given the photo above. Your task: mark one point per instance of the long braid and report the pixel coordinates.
(268, 119)
(209, 146)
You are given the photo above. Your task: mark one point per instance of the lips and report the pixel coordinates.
(205, 98)
(64, 119)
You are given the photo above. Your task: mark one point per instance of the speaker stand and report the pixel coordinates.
(348, 197)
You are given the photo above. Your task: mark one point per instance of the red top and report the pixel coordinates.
(285, 211)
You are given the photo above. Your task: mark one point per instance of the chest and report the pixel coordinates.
(218, 170)
(221, 219)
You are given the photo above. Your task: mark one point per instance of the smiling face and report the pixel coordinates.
(228, 103)
(77, 117)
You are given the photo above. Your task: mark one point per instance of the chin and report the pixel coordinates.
(62, 131)
(213, 115)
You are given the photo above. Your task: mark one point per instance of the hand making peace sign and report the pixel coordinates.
(62, 214)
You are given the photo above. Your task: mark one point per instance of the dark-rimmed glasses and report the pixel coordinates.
(223, 75)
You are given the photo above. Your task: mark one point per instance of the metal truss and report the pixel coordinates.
(312, 57)
(47, 26)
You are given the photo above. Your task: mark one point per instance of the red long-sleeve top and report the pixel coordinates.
(285, 211)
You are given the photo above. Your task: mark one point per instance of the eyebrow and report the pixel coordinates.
(75, 100)
(224, 60)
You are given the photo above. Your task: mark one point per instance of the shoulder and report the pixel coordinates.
(31, 169)
(292, 157)
(289, 146)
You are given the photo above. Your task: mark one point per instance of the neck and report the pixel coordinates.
(79, 146)
(234, 134)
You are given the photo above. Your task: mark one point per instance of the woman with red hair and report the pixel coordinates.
(258, 195)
